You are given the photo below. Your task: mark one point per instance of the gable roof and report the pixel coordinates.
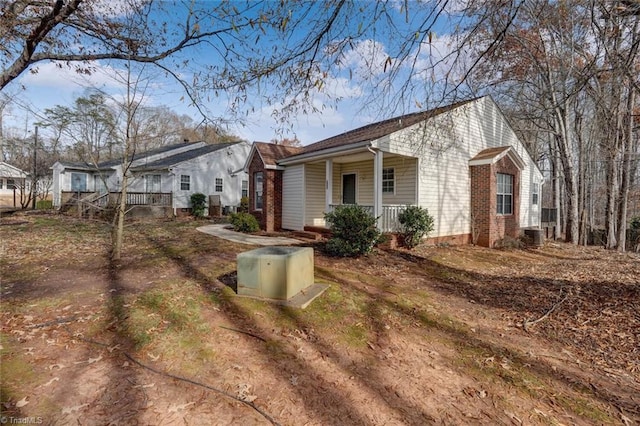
(377, 130)
(9, 171)
(172, 160)
(492, 155)
(109, 164)
(270, 153)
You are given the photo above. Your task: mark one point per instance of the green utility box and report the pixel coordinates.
(275, 272)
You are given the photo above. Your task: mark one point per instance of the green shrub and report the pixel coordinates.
(353, 229)
(198, 204)
(416, 223)
(244, 222)
(635, 223)
(244, 205)
(44, 205)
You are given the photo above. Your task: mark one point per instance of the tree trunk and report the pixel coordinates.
(626, 174)
(118, 228)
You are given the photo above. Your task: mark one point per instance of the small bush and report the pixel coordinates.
(416, 223)
(198, 204)
(244, 205)
(244, 222)
(44, 205)
(509, 243)
(635, 223)
(354, 231)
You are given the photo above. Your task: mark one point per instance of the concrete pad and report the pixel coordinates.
(300, 300)
(222, 231)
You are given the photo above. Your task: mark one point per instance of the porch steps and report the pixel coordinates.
(313, 233)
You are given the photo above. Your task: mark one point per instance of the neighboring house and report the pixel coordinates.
(166, 176)
(11, 180)
(462, 162)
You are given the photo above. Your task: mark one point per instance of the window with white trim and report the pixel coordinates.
(504, 193)
(78, 182)
(388, 181)
(257, 183)
(218, 184)
(152, 183)
(245, 188)
(185, 183)
(535, 194)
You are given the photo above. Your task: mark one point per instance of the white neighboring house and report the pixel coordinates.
(11, 179)
(164, 177)
(463, 162)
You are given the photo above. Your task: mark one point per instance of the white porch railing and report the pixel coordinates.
(388, 219)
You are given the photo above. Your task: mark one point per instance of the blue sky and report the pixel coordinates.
(59, 85)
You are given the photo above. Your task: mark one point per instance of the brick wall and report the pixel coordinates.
(256, 165)
(270, 217)
(487, 225)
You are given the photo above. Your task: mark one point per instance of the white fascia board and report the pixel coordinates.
(326, 153)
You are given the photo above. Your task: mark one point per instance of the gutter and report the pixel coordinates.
(326, 153)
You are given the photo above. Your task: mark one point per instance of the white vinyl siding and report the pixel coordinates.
(314, 194)
(445, 147)
(405, 180)
(293, 198)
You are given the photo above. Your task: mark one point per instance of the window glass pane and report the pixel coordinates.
(507, 204)
(504, 192)
(218, 184)
(152, 183)
(245, 188)
(258, 190)
(79, 182)
(185, 182)
(388, 180)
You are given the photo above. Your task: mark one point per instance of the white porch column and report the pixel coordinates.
(328, 185)
(377, 186)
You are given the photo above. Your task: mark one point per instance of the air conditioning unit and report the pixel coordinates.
(275, 272)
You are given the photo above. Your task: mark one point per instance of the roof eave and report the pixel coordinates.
(325, 153)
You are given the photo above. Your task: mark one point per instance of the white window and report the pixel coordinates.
(245, 188)
(257, 181)
(388, 181)
(218, 184)
(151, 183)
(1, 182)
(535, 192)
(505, 194)
(78, 182)
(99, 183)
(185, 182)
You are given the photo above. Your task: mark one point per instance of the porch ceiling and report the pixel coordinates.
(357, 156)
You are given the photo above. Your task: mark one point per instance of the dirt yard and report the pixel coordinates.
(438, 335)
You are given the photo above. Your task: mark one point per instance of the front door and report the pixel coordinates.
(349, 188)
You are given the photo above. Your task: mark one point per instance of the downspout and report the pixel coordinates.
(173, 192)
(377, 185)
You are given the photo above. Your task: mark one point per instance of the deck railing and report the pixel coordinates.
(162, 199)
(148, 199)
(388, 219)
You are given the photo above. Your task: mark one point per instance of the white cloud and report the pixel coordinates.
(61, 75)
(368, 58)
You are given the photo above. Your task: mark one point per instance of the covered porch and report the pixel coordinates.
(383, 183)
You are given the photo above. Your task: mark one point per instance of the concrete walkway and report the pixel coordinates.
(222, 231)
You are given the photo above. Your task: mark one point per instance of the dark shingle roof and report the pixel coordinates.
(166, 162)
(382, 128)
(271, 152)
(109, 164)
(490, 153)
